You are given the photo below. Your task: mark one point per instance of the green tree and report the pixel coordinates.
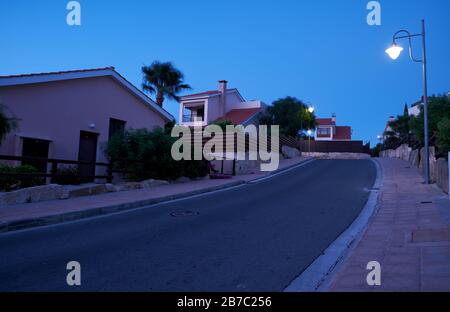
(7, 124)
(164, 80)
(443, 136)
(290, 114)
(438, 109)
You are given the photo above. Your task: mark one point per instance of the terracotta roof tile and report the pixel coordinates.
(325, 122)
(238, 116)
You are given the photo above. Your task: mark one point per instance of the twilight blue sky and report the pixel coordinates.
(321, 51)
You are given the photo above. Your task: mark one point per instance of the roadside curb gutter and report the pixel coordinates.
(110, 209)
(317, 276)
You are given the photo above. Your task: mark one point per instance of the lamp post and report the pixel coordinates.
(310, 109)
(380, 138)
(309, 142)
(394, 52)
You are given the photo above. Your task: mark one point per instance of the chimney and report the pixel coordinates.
(333, 117)
(223, 96)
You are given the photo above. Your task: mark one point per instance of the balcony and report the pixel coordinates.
(192, 118)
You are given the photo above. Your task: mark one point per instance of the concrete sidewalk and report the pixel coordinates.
(409, 236)
(16, 217)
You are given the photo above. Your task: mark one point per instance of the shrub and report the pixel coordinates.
(443, 136)
(68, 175)
(145, 154)
(9, 183)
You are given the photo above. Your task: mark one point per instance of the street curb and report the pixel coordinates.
(72, 216)
(105, 210)
(319, 274)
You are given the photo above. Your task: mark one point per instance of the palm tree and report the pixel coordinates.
(164, 80)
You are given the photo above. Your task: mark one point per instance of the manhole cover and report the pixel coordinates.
(184, 213)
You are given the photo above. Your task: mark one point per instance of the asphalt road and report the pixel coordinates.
(257, 237)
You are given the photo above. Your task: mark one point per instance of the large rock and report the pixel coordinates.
(85, 190)
(153, 183)
(289, 152)
(128, 186)
(32, 194)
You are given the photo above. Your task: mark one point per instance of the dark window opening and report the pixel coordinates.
(35, 148)
(116, 126)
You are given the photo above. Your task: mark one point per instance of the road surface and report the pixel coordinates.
(257, 237)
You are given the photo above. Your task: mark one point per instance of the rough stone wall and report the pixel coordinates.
(442, 174)
(438, 167)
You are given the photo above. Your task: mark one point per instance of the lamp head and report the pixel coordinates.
(309, 132)
(311, 109)
(394, 51)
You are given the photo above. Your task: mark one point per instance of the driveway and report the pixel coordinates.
(255, 237)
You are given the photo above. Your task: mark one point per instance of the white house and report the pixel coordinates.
(201, 109)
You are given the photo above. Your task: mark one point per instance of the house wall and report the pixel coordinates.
(213, 109)
(58, 111)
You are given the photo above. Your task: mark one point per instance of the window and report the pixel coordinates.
(324, 132)
(116, 126)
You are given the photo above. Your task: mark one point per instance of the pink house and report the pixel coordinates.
(68, 115)
(201, 109)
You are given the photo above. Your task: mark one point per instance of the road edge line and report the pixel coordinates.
(318, 275)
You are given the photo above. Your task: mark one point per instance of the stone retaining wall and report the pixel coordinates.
(438, 167)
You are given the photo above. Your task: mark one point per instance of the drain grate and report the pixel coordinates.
(426, 202)
(184, 213)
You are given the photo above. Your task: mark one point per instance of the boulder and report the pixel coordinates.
(153, 183)
(289, 152)
(128, 186)
(85, 190)
(32, 194)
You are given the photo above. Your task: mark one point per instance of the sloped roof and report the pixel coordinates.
(36, 78)
(210, 93)
(240, 116)
(325, 122)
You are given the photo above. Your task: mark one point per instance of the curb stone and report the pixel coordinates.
(109, 209)
(319, 273)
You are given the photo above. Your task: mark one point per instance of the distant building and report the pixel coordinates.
(327, 130)
(201, 109)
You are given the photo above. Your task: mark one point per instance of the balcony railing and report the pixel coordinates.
(192, 118)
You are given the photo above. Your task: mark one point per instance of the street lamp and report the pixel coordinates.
(380, 138)
(309, 142)
(311, 109)
(394, 52)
